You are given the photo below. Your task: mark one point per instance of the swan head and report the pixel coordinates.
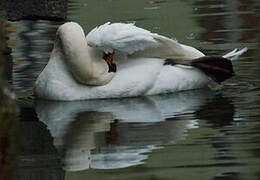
(88, 65)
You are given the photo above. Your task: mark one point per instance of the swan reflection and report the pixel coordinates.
(116, 133)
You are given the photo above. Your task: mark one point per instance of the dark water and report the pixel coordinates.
(202, 134)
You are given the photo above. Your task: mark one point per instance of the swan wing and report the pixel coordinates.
(126, 38)
(135, 41)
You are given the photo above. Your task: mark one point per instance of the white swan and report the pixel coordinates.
(122, 60)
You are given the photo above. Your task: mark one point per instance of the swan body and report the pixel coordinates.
(77, 69)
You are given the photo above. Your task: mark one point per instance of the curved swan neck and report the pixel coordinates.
(84, 62)
(71, 39)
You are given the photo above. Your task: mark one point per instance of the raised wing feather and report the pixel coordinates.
(135, 41)
(169, 49)
(126, 38)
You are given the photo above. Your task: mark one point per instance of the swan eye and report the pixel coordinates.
(109, 59)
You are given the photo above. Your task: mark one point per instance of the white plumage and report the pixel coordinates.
(132, 40)
(126, 38)
(77, 69)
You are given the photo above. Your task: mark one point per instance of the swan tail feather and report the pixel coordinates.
(234, 55)
(217, 68)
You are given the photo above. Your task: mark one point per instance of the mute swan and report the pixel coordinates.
(122, 60)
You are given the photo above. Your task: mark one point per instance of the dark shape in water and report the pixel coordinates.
(216, 67)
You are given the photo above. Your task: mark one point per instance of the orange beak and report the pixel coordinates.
(109, 58)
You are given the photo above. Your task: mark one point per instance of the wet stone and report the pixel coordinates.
(34, 9)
